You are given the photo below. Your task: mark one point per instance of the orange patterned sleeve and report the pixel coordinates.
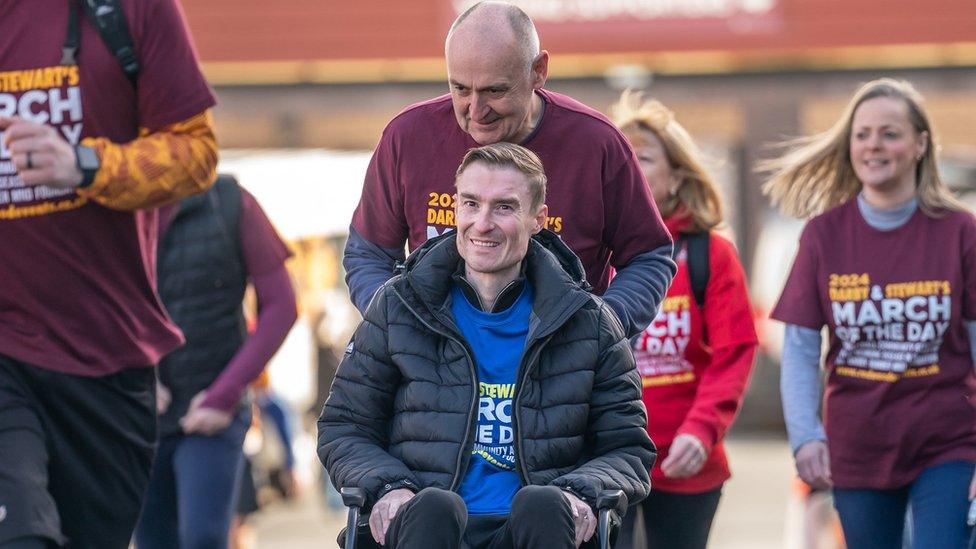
(156, 168)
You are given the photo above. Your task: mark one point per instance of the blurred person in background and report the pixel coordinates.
(268, 462)
(212, 245)
(496, 73)
(888, 264)
(333, 329)
(277, 413)
(696, 356)
(88, 150)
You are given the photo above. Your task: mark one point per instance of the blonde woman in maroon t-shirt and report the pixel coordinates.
(888, 264)
(694, 358)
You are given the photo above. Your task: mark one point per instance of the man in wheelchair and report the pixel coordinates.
(488, 399)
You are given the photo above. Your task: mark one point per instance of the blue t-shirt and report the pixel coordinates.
(497, 340)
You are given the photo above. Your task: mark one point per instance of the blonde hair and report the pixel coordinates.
(816, 174)
(510, 155)
(696, 190)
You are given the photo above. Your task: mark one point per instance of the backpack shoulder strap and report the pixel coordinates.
(109, 20)
(699, 269)
(226, 199)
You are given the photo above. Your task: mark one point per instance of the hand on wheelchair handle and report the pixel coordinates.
(385, 510)
(583, 518)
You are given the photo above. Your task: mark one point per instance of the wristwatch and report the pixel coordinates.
(88, 163)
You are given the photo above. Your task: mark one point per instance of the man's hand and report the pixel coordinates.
(385, 509)
(813, 464)
(583, 518)
(204, 421)
(163, 398)
(41, 155)
(685, 458)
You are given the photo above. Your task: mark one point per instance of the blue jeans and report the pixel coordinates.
(192, 490)
(939, 502)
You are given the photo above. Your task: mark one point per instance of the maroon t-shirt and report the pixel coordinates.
(900, 385)
(598, 201)
(78, 280)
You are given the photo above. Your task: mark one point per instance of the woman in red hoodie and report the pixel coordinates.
(696, 356)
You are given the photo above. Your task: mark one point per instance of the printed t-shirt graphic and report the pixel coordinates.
(78, 292)
(900, 374)
(660, 349)
(497, 341)
(46, 95)
(598, 201)
(891, 331)
(493, 441)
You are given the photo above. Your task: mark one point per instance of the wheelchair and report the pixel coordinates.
(608, 505)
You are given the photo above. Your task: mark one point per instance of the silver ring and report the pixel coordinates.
(30, 160)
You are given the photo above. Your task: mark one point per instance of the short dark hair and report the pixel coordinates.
(510, 155)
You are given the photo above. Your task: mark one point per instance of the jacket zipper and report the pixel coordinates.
(537, 347)
(501, 293)
(536, 351)
(474, 388)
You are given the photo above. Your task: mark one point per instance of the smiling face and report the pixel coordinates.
(495, 219)
(885, 148)
(654, 163)
(493, 89)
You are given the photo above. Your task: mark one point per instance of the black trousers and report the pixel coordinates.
(670, 521)
(74, 454)
(437, 519)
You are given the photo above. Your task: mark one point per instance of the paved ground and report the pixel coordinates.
(753, 513)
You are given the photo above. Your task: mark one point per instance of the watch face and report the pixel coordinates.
(87, 159)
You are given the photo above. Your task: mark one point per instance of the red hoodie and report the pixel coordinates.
(695, 363)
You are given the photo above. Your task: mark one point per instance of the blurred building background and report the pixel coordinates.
(306, 86)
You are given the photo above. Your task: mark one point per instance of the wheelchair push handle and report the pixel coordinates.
(608, 503)
(354, 499)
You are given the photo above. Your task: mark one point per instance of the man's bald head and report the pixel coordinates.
(499, 20)
(494, 68)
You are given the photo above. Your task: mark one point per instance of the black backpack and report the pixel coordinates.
(699, 270)
(108, 18)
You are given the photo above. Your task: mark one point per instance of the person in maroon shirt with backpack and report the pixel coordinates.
(696, 356)
(888, 264)
(90, 146)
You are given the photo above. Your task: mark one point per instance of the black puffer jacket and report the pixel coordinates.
(402, 411)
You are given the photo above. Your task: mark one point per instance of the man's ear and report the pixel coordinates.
(540, 218)
(540, 70)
